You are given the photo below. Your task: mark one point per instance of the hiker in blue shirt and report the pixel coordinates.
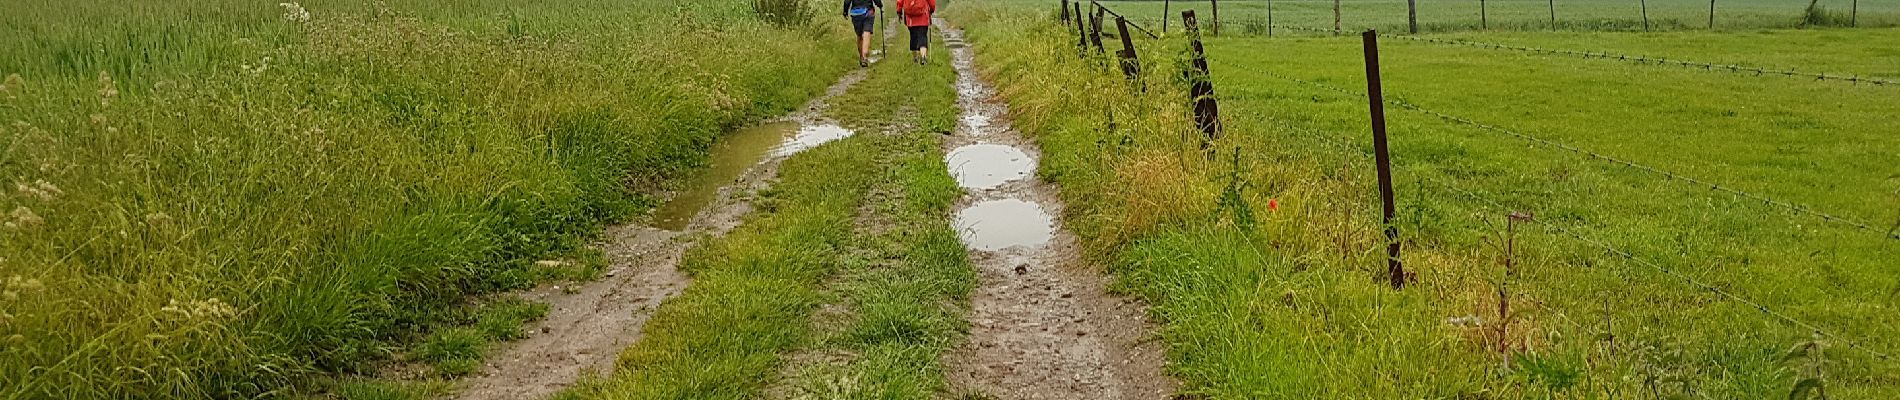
(863, 15)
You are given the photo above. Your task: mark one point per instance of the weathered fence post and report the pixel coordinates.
(1095, 30)
(1335, 17)
(1201, 89)
(1131, 65)
(1853, 14)
(1484, 21)
(1411, 14)
(1375, 97)
(1081, 34)
(1645, 15)
(1065, 10)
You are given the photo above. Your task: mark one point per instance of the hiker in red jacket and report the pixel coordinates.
(916, 15)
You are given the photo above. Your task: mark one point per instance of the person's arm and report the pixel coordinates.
(847, 9)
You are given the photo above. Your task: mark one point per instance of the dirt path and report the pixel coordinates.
(586, 329)
(1043, 325)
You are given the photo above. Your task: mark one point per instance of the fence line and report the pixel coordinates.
(1669, 175)
(1557, 229)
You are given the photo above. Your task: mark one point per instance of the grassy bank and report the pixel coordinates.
(849, 279)
(1267, 270)
(225, 199)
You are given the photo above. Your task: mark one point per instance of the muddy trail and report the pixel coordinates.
(1042, 323)
(589, 324)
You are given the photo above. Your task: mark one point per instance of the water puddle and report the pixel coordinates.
(811, 136)
(976, 122)
(1000, 224)
(984, 166)
(731, 157)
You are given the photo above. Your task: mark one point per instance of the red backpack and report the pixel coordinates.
(915, 7)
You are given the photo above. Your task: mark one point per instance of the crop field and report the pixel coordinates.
(1715, 264)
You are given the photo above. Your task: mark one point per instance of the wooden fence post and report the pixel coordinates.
(1853, 14)
(1201, 88)
(1411, 14)
(1131, 64)
(1335, 17)
(1081, 34)
(1065, 10)
(1484, 21)
(1269, 18)
(1095, 30)
(1214, 5)
(1375, 97)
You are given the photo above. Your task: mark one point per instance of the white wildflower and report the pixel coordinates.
(24, 217)
(294, 12)
(107, 89)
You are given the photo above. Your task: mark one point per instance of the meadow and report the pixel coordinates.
(1261, 250)
(232, 199)
(1250, 16)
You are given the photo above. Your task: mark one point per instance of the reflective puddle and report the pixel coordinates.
(731, 157)
(984, 166)
(810, 137)
(1000, 224)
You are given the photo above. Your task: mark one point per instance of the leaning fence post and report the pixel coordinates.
(1165, 14)
(1553, 14)
(1201, 89)
(1130, 64)
(1081, 34)
(1065, 10)
(1375, 97)
(1095, 30)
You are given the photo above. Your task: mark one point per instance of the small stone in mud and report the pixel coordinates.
(1068, 295)
(1022, 269)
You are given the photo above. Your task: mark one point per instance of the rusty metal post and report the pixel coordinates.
(1164, 15)
(1201, 89)
(1375, 96)
(1645, 15)
(1131, 65)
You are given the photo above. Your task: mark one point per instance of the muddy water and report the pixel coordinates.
(986, 166)
(735, 153)
(1001, 224)
(733, 156)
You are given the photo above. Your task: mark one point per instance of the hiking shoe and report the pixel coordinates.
(863, 63)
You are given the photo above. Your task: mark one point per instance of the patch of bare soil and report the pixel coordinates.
(587, 327)
(1043, 324)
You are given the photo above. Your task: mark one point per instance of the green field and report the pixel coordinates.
(1287, 302)
(1249, 17)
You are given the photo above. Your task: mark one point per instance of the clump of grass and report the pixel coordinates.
(1818, 15)
(783, 12)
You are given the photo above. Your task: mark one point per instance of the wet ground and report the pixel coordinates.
(1043, 325)
(589, 324)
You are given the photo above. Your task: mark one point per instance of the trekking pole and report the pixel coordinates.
(884, 29)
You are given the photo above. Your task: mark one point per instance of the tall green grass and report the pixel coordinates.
(214, 199)
(1290, 302)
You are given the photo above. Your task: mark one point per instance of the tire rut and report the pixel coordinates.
(587, 328)
(1043, 324)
